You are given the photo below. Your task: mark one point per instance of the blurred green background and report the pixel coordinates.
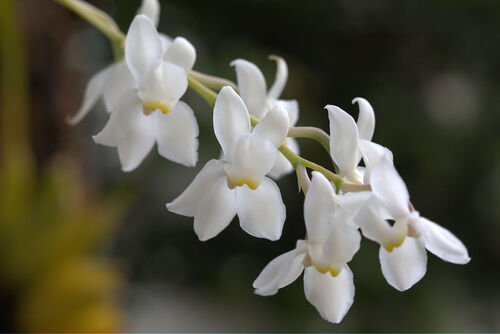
(430, 69)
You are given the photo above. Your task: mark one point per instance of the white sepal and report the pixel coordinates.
(332, 296)
(215, 211)
(292, 108)
(150, 8)
(187, 202)
(120, 80)
(280, 272)
(142, 47)
(366, 119)
(442, 243)
(177, 134)
(405, 265)
(130, 130)
(252, 86)
(344, 137)
(261, 211)
(280, 80)
(231, 120)
(93, 92)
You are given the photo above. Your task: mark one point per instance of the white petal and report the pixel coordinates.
(352, 201)
(129, 130)
(177, 134)
(150, 8)
(163, 86)
(292, 108)
(318, 205)
(252, 86)
(366, 119)
(120, 80)
(343, 140)
(252, 158)
(442, 242)
(215, 211)
(93, 92)
(165, 42)
(342, 242)
(181, 53)
(187, 202)
(231, 119)
(390, 188)
(405, 265)
(372, 152)
(261, 211)
(283, 166)
(376, 228)
(274, 126)
(142, 47)
(281, 78)
(332, 296)
(279, 273)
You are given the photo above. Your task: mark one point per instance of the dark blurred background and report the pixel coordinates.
(430, 69)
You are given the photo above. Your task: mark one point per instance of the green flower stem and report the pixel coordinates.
(295, 160)
(206, 93)
(307, 132)
(311, 132)
(99, 19)
(211, 81)
(353, 187)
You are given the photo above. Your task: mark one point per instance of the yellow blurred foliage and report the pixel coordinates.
(54, 274)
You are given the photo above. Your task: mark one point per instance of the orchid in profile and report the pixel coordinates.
(253, 91)
(111, 82)
(152, 112)
(238, 185)
(345, 134)
(332, 240)
(402, 254)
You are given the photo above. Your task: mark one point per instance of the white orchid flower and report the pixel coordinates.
(152, 112)
(238, 185)
(402, 254)
(111, 82)
(332, 241)
(345, 134)
(253, 91)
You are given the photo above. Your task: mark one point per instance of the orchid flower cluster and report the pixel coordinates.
(256, 131)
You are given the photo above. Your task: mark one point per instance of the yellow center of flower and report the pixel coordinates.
(334, 271)
(389, 246)
(152, 106)
(240, 182)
